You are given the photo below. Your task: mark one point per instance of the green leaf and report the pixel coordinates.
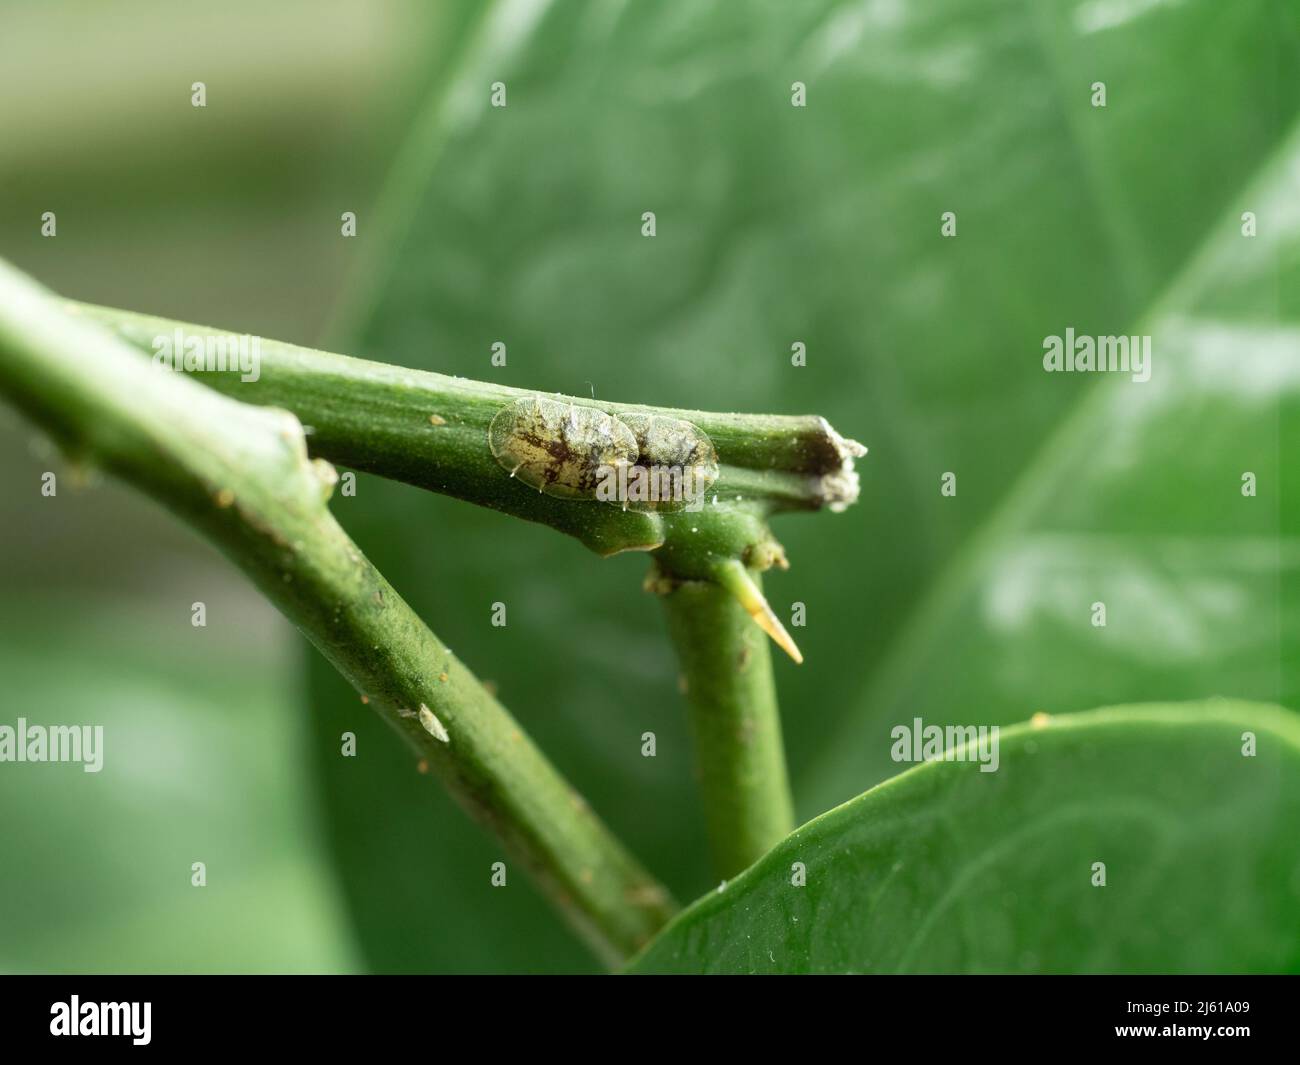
(1137, 503)
(822, 225)
(945, 868)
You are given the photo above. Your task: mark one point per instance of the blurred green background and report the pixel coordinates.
(775, 225)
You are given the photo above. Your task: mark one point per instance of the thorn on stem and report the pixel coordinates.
(734, 577)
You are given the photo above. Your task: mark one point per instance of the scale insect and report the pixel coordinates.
(559, 448)
(678, 459)
(432, 725)
(578, 452)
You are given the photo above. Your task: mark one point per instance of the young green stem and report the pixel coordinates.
(727, 676)
(241, 475)
(431, 430)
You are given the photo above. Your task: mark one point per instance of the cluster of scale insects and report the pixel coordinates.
(566, 450)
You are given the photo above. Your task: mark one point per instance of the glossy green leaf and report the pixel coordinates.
(945, 868)
(1160, 502)
(821, 225)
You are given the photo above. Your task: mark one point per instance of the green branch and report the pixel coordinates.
(432, 431)
(435, 432)
(241, 475)
(727, 677)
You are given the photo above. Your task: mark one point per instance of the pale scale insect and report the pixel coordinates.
(559, 448)
(673, 445)
(564, 449)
